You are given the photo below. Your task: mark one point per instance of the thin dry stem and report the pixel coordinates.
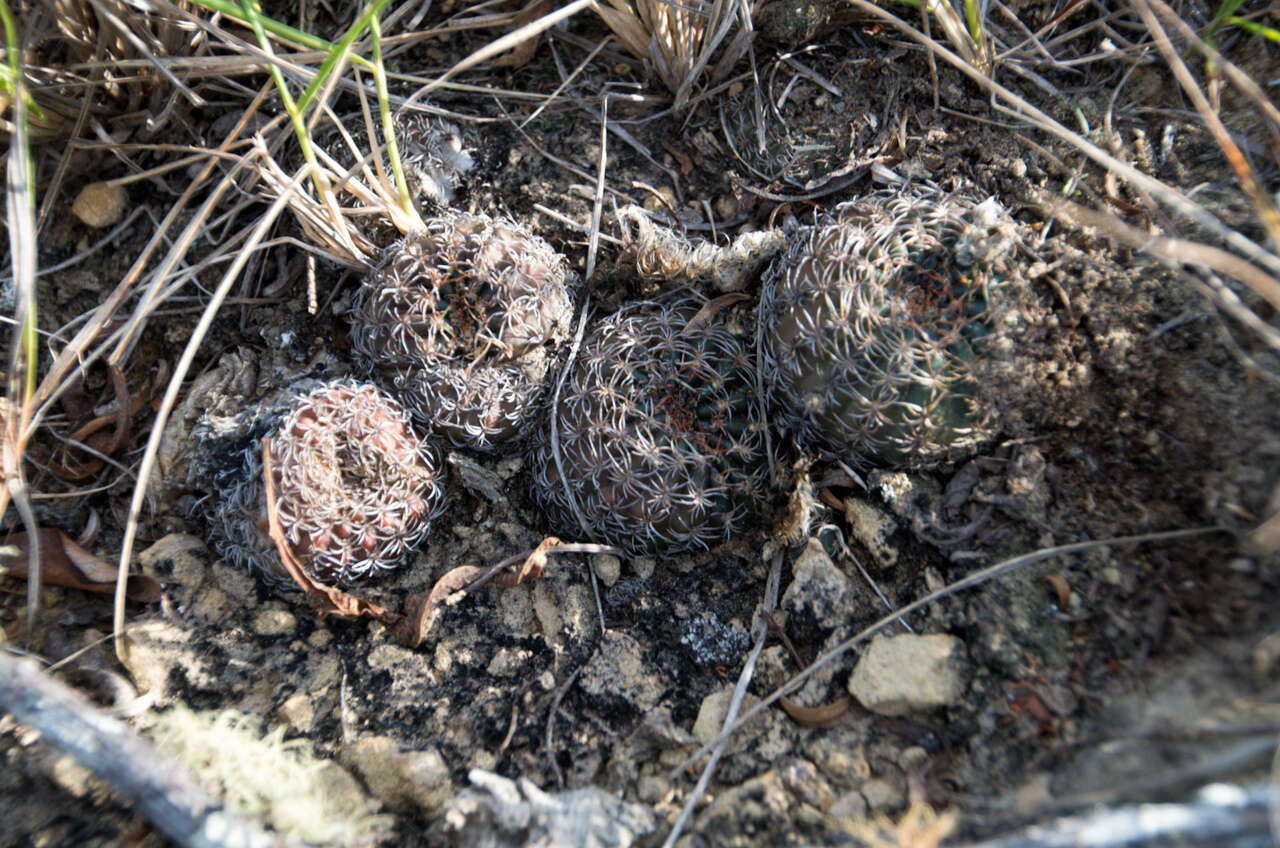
(175, 385)
(1263, 205)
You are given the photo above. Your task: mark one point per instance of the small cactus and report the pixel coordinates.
(659, 444)
(873, 326)
(462, 319)
(432, 152)
(355, 488)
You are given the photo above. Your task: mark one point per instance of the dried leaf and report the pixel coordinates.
(523, 52)
(94, 433)
(710, 309)
(1060, 587)
(824, 716)
(64, 563)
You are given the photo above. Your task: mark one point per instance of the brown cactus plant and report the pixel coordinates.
(874, 328)
(355, 489)
(658, 441)
(462, 320)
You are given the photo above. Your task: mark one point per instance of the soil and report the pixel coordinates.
(1129, 405)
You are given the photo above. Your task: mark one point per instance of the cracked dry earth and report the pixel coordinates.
(1101, 676)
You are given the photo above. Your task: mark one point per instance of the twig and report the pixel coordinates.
(968, 582)
(551, 721)
(767, 606)
(1262, 204)
(1223, 815)
(161, 788)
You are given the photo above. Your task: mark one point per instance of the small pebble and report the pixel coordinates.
(100, 204)
(273, 621)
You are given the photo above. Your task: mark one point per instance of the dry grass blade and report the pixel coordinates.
(1169, 249)
(1238, 78)
(679, 37)
(175, 385)
(80, 352)
(1021, 109)
(1263, 205)
(20, 207)
(502, 45)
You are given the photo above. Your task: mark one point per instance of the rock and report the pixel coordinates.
(757, 812)
(178, 555)
(405, 781)
(299, 711)
(712, 642)
(913, 758)
(714, 708)
(501, 813)
(883, 794)
(181, 562)
(100, 204)
(509, 662)
(872, 528)
(1266, 657)
(71, 776)
(802, 779)
(155, 648)
(901, 674)
(845, 765)
(617, 676)
(818, 589)
(566, 610)
(608, 567)
(643, 567)
(850, 806)
(273, 620)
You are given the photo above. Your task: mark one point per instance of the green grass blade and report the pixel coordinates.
(1269, 33)
(342, 47)
(1220, 18)
(271, 25)
(388, 124)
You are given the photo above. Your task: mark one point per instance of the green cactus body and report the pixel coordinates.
(356, 489)
(661, 444)
(462, 320)
(872, 328)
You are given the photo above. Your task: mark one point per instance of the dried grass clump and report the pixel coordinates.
(679, 39)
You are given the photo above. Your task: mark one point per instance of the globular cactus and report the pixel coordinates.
(355, 488)
(433, 155)
(658, 441)
(873, 327)
(432, 152)
(463, 319)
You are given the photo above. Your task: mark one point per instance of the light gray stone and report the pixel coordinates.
(909, 673)
(820, 587)
(403, 780)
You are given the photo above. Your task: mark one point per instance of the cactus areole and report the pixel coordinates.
(659, 438)
(872, 330)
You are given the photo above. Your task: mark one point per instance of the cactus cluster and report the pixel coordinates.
(873, 324)
(462, 320)
(355, 488)
(658, 441)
